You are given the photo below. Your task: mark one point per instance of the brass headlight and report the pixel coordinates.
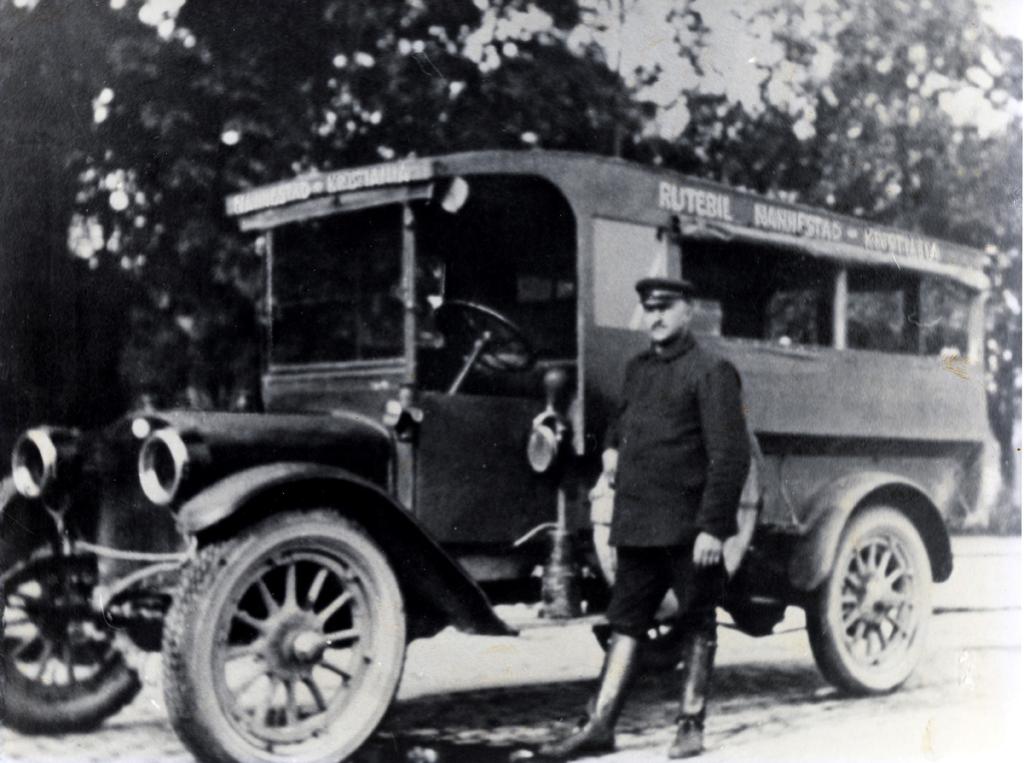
(42, 457)
(164, 464)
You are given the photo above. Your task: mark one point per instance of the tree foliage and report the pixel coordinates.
(58, 319)
(248, 92)
(905, 112)
(914, 120)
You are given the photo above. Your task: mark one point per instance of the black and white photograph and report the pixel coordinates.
(510, 381)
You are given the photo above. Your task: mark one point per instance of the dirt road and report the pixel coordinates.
(467, 698)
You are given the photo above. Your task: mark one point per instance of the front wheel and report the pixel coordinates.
(868, 621)
(284, 644)
(60, 669)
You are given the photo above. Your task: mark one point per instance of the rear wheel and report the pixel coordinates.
(284, 644)
(868, 621)
(61, 669)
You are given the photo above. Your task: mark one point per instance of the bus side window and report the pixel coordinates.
(906, 313)
(792, 317)
(881, 311)
(945, 307)
(874, 321)
(749, 292)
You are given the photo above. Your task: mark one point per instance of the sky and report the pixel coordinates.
(1004, 15)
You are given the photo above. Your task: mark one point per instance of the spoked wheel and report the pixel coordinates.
(284, 644)
(61, 669)
(868, 623)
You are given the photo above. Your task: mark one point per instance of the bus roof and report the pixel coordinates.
(603, 186)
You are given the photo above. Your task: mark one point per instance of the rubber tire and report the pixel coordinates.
(32, 708)
(826, 642)
(189, 692)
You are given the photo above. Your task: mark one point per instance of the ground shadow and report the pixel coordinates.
(492, 724)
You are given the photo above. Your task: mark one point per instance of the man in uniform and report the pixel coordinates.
(677, 454)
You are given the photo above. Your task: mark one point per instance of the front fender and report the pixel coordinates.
(830, 509)
(225, 498)
(429, 577)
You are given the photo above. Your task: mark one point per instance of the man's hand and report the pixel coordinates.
(707, 550)
(609, 465)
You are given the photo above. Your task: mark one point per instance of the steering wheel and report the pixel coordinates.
(488, 337)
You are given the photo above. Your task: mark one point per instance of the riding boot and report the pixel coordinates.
(698, 659)
(596, 733)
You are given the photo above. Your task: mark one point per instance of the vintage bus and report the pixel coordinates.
(444, 344)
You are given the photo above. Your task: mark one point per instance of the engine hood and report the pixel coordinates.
(223, 443)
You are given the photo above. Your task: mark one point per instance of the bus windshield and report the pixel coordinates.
(336, 293)
(335, 289)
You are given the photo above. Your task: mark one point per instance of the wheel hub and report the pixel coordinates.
(875, 602)
(52, 634)
(61, 598)
(307, 647)
(295, 644)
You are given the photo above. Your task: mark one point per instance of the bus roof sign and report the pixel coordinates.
(324, 184)
(600, 186)
(745, 210)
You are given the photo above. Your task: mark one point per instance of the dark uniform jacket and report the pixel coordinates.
(683, 447)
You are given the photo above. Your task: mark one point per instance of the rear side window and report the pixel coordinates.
(792, 316)
(944, 311)
(877, 312)
(754, 293)
(904, 312)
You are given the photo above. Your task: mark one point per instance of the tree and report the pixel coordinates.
(58, 327)
(919, 126)
(239, 93)
(905, 113)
